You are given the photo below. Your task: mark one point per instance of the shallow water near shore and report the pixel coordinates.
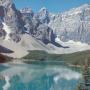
(38, 76)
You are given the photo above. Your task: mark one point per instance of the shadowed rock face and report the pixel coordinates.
(2, 34)
(5, 50)
(4, 58)
(2, 11)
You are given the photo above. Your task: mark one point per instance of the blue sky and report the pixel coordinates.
(52, 5)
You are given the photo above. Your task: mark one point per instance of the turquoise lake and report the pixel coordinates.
(38, 77)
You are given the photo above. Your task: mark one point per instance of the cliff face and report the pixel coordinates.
(11, 22)
(70, 25)
(14, 23)
(73, 24)
(35, 26)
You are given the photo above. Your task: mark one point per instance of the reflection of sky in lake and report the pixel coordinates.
(38, 77)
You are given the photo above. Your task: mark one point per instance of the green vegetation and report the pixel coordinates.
(77, 58)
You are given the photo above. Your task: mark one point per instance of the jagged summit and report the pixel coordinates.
(78, 10)
(43, 9)
(26, 10)
(43, 15)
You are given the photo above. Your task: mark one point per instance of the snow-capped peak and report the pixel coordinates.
(85, 6)
(26, 10)
(43, 9)
(77, 10)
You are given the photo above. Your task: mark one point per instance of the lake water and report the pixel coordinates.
(38, 77)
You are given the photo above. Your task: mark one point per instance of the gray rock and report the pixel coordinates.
(44, 33)
(73, 24)
(11, 17)
(15, 37)
(70, 25)
(43, 15)
(2, 34)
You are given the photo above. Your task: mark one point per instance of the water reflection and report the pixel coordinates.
(39, 77)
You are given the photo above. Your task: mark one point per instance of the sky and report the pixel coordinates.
(55, 6)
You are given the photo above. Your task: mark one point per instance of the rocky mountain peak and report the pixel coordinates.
(78, 10)
(26, 10)
(73, 24)
(43, 15)
(43, 12)
(43, 9)
(11, 20)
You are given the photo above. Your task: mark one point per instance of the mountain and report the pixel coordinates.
(70, 25)
(23, 30)
(43, 15)
(10, 19)
(73, 24)
(14, 23)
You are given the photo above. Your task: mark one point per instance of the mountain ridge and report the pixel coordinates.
(25, 30)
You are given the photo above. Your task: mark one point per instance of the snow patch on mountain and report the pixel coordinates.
(70, 42)
(74, 46)
(8, 31)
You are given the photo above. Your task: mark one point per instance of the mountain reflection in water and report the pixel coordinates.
(38, 77)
